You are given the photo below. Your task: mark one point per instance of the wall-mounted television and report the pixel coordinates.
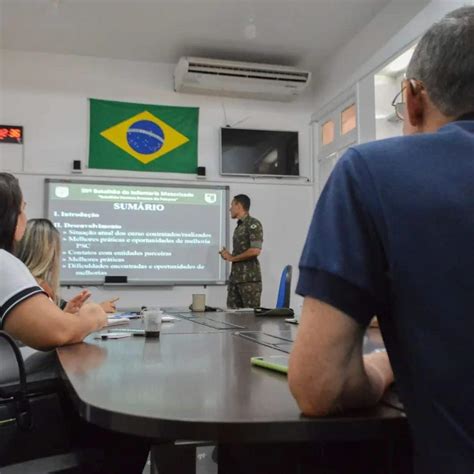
(259, 152)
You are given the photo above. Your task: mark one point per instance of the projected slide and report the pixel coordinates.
(153, 234)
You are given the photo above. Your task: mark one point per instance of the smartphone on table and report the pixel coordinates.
(278, 363)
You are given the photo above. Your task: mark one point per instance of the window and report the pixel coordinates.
(348, 119)
(328, 132)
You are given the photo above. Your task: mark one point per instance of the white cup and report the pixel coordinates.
(199, 302)
(152, 321)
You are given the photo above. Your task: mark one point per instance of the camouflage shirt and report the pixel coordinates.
(248, 234)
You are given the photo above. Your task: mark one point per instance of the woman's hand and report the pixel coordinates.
(75, 303)
(109, 305)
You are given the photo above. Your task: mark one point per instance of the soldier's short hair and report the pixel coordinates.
(243, 200)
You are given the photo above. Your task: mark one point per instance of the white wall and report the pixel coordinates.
(47, 94)
(1, 70)
(391, 31)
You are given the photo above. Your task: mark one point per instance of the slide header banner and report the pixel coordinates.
(143, 137)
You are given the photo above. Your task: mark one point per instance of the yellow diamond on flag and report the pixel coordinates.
(145, 137)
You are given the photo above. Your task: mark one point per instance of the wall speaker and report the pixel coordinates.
(76, 166)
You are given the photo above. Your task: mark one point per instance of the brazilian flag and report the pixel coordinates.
(140, 137)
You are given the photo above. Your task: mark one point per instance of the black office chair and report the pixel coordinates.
(28, 443)
(14, 403)
(284, 290)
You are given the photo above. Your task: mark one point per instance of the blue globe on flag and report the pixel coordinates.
(145, 137)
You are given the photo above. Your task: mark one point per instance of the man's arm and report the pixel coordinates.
(327, 371)
(40, 324)
(247, 255)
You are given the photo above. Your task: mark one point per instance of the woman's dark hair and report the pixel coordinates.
(10, 208)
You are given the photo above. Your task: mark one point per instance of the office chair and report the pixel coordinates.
(26, 434)
(284, 290)
(15, 407)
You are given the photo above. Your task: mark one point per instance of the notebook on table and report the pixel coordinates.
(117, 321)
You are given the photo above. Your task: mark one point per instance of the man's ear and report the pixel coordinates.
(414, 105)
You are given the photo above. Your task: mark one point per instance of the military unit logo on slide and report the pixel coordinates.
(210, 198)
(62, 191)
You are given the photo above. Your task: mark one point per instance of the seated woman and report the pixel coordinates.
(25, 310)
(29, 315)
(40, 251)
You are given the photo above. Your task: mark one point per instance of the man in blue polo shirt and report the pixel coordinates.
(393, 236)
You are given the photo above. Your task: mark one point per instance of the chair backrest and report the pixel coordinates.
(283, 298)
(11, 364)
(13, 388)
(27, 447)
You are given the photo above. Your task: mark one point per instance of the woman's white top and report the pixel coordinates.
(16, 284)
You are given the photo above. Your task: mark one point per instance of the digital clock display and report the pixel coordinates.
(11, 134)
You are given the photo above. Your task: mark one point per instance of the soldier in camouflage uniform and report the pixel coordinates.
(245, 281)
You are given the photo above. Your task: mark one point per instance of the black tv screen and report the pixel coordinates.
(259, 152)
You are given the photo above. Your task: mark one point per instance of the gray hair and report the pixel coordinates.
(444, 61)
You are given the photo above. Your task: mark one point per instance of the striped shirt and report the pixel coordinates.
(16, 284)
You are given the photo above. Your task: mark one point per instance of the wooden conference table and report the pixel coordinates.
(196, 383)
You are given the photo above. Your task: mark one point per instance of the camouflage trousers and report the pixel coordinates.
(244, 295)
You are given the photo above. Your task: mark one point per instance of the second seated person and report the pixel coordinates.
(245, 281)
(40, 251)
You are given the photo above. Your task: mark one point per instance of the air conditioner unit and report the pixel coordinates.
(239, 79)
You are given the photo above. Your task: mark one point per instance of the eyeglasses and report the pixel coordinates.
(398, 102)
